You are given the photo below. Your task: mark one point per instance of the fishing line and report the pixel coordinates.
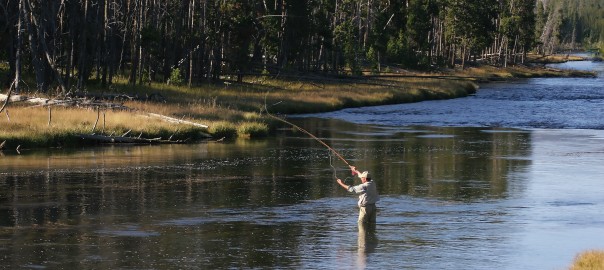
(304, 131)
(335, 176)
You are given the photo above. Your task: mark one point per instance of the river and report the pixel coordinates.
(510, 178)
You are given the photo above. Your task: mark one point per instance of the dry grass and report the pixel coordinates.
(554, 58)
(492, 73)
(29, 126)
(246, 102)
(589, 260)
(319, 96)
(232, 110)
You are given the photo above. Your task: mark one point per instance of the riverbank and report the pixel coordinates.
(238, 109)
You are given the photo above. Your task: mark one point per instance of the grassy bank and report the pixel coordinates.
(236, 110)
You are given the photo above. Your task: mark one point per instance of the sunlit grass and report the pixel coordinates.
(223, 129)
(239, 110)
(252, 129)
(554, 58)
(236, 102)
(229, 110)
(39, 127)
(589, 260)
(490, 73)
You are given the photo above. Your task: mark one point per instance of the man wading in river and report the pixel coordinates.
(369, 196)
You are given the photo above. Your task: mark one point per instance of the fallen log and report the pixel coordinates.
(13, 98)
(75, 102)
(104, 96)
(156, 97)
(19, 98)
(79, 102)
(175, 120)
(128, 140)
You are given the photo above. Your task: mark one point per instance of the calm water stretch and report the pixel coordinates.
(510, 178)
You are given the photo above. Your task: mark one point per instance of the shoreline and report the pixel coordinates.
(236, 110)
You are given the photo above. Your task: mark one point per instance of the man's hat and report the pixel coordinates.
(364, 174)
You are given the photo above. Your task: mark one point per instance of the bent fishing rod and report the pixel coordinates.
(305, 132)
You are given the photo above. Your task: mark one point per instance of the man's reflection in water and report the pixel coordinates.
(367, 242)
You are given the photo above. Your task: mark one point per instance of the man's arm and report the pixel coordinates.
(346, 187)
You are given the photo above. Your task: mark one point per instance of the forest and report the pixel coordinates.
(63, 45)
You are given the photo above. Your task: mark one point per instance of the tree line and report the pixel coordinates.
(68, 44)
(570, 24)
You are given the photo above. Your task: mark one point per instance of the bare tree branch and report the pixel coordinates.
(8, 94)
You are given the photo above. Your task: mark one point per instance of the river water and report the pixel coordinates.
(510, 178)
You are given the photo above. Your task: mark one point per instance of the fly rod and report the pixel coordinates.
(306, 132)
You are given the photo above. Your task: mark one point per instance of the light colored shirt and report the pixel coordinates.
(368, 191)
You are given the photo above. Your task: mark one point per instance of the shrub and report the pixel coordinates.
(251, 116)
(175, 77)
(252, 129)
(589, 260)
(222, 129)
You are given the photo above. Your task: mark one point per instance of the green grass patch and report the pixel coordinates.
(223, 129)
(252, 130)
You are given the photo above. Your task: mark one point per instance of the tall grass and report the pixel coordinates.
(556, 58)
(252, 130)
(39, 127)
(223, 129)
(230, 110)
(589, 260)
(237, 110)
(492, 73)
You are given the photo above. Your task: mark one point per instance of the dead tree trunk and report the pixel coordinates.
(17, 78)
(44, 48)
(33, 43)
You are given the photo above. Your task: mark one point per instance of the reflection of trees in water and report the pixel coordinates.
(68, 207)
(109, 219)
(471, 165)
(451, 163)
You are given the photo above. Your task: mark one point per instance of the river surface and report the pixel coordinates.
(510, 178)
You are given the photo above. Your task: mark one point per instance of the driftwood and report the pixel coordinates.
(74, 102)
(7, 97)
(82, 96)
(12, 98)
(131, 140)
(87, 102)
(21, 98)
(157, 97)
(175, 120)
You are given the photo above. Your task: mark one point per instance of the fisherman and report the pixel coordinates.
(367, 198)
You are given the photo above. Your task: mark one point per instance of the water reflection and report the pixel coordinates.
(259, 204)
(367, 243)
(460, 164)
